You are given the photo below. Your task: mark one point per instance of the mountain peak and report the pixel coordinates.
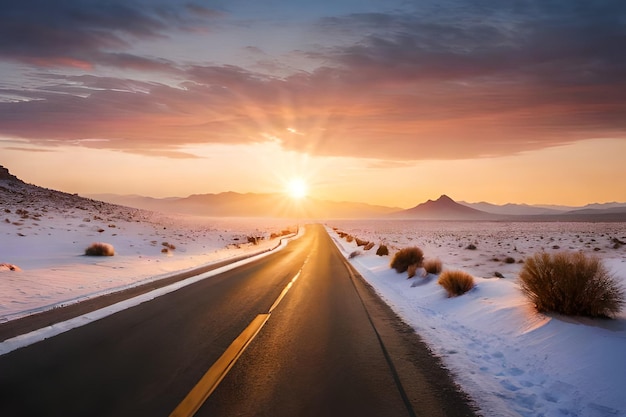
(445, 198)
(444, 208)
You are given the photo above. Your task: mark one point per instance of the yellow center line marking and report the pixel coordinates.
(211, 379)
(285, 291)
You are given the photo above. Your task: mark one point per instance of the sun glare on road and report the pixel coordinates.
(297, 188)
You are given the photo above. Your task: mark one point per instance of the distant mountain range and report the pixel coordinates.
(231, 204)
(444, 208)
(525, 209)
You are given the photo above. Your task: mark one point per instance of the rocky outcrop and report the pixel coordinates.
(6, 175)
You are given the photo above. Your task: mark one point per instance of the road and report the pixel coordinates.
(330, 347)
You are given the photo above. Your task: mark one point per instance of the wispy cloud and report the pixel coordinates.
(453, 79)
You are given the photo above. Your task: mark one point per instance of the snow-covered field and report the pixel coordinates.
(45, 234)
(510, 359)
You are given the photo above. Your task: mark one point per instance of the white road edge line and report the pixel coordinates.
(35, 336)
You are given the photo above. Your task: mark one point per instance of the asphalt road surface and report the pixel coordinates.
(329, 347)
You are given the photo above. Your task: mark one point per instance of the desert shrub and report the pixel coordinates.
(456, 282)
(382, 250)
(471, 246)
(406, 257)
(369, 246)
(100, 249)
(509, 260)
(361, 242)
(571, 283)
(433, 266)
(412, 270)
(349, 238)
(498, 275)
(9, 267)
(165, 250)
(168, 245)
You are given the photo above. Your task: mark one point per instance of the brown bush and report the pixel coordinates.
(361, 242)
(382, 250)
(433, 266)
(406, 257)
(571, 283)
(369, 246)
(456, 282)
(100, 249)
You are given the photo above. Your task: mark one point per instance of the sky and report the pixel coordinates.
(385, 102)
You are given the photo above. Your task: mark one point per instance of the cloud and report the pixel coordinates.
(450, 80)
(84, 33)
(34, 150)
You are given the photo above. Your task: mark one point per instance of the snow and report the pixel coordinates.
(512, 360)
(55, 329)
(48, 243)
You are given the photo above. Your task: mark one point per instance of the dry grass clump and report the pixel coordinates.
(407, 257)
(9, 267)
(100, 249)
(382, 250)
(168, 245)
(572, 284)
(369, 246)
(361, 242)
(456, 282)
(433, 266)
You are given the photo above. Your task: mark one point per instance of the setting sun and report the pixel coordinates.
(297, 188)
